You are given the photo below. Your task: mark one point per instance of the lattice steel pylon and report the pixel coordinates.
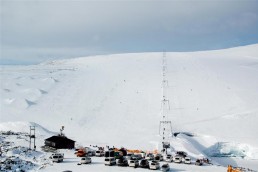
(32, 137)
(165, 126)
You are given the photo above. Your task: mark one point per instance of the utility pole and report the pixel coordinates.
(32, 137)
(165, 127)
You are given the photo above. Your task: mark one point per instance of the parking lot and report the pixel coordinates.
(70, 163)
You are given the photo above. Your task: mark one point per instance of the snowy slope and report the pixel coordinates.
(116, 99)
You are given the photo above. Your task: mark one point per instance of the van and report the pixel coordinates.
(58, 157)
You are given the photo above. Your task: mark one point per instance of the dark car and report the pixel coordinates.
(198, 162)
(122, 162)
(144, 163)
(158, 157)
(182, 154)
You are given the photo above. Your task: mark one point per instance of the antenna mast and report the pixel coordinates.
(61, 131)
(165, 126)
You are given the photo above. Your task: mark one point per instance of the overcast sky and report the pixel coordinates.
(33, 31)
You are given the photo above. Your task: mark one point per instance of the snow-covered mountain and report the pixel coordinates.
(116, 100)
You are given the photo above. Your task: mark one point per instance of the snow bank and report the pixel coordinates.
(224, 149)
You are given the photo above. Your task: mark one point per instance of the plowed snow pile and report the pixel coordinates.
(116, 100)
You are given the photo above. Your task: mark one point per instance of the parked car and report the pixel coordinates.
(158, 157)
(91, 153)
(169, 158)
(144, 163)
(128, 156)
(99, 153)
(118, 154)
(187, 160)
(57, 157)
(85, 160)
(177, 159)
(198, 162)
(154, 165)
(182, 154)
(141, 155)
(206, 160)
(165, 167)
(110, 161)
(81, 153)
(149, 157)
(122, 162)
(133, 162)
(138, 156)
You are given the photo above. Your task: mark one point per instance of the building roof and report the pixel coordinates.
(58, 139)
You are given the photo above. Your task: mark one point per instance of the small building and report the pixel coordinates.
(59, 142)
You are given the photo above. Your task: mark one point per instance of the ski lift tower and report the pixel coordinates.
(165, 126)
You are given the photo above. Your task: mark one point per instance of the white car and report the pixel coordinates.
(133, 162)
(85, 160)
(165, 167)
(110, 161)
(187, 160)
(99, 153)
(154, 165)
(177, 159)
(57, 157)
(169, 158)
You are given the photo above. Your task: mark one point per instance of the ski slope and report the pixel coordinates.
(115, 100)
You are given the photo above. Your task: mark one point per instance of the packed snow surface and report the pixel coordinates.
(115, 100)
